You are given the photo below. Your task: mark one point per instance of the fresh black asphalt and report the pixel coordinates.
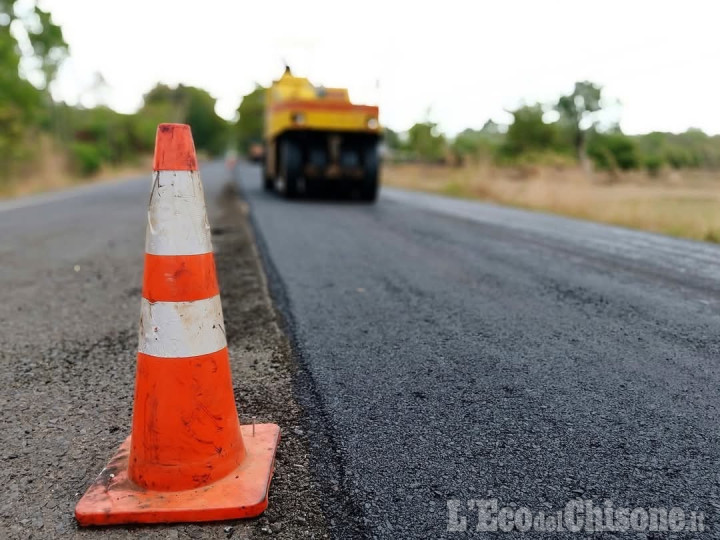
(459, 350)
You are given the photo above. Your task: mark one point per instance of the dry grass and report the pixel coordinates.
(51, 172)
(685, 205)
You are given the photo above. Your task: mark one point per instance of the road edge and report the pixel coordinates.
(345, 516)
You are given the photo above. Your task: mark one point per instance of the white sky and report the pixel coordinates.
(459, 62)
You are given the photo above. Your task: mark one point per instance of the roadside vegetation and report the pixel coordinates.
(48, 144)
(580, 128)
(569, 156)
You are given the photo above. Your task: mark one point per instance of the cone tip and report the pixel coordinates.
(174, 148)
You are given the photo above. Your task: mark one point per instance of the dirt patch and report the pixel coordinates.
(683, 204)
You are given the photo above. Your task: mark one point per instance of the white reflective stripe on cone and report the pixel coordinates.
(177, 220)
(181, 329)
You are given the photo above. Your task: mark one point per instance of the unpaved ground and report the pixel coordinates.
(683, 204)
(67, 356)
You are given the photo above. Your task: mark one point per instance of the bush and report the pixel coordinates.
(653, 164)
(426, 142)
(547, 158)
(87, 158)
(613, 151)
(529, 133)
(473, 145)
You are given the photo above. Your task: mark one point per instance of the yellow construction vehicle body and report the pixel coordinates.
(294, 104)
(314, 136)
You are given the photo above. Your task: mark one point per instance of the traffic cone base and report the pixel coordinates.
(114, 499)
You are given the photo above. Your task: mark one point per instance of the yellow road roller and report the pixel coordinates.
(314, 136)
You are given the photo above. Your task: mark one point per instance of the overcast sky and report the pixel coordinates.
(456, 63)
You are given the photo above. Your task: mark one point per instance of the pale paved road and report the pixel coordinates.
(70, 275)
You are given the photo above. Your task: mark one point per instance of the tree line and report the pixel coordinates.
(32, 48)
(569, 131)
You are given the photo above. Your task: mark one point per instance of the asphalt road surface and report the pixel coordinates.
(439, 350)
(453, 350)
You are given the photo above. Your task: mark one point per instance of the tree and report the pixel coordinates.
(614, 151)
(491, 128)
(476, 144)
(426, 142)
(188, 105)
(251, 118)
(209, 130)
(577, 111)
(28, 38)
(34, 27)
(466, 144)
(529, 132)
(392, 139)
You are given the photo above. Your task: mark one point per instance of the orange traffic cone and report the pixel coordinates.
(188, 458)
